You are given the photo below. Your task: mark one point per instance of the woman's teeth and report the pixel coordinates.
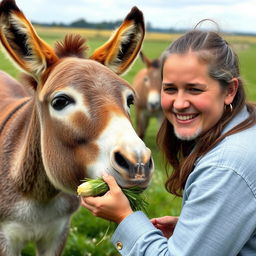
(185, 117)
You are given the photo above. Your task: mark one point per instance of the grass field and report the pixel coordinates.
(86, 231)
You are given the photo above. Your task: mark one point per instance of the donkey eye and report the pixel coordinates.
(146, 79)
(61, 101)
(130, 100)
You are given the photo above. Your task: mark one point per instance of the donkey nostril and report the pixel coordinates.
(120, 160)
(150, 163)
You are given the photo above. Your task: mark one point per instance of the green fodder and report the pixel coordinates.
(96, 187)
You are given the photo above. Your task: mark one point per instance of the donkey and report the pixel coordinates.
(147, 84)
(72, 122)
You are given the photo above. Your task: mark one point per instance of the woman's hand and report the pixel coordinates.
(113, 206)
(166, 224)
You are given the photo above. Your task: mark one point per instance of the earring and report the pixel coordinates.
(230, 107)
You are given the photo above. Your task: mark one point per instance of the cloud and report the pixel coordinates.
(231, 15)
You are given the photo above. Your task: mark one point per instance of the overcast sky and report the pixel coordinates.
(231, 15)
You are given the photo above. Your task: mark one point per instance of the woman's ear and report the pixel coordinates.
(231, 91)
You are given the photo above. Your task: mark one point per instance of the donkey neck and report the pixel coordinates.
(25, 164)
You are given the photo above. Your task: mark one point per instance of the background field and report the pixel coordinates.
(86, 231)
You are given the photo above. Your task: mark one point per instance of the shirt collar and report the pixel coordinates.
(239, 118)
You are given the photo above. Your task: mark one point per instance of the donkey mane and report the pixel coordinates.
(73, 45)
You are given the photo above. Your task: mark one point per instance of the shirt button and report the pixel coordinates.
(119, 245)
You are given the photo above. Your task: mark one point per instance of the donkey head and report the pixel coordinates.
(152, 83)
(83, 107)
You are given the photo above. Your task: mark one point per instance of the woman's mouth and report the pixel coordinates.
(185, 117)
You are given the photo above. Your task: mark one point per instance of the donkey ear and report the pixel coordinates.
(119, 52)
(21, 41)
(145, 60)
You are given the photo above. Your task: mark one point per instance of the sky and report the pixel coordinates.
(231, 15)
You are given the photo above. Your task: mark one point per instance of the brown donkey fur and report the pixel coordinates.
(147, 85)
(72, 122)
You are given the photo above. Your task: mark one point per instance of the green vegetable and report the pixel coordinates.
(97, 187)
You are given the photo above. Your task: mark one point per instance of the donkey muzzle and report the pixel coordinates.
(132, 169)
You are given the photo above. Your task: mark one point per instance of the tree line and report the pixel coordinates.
(107, 25)
(110, 25)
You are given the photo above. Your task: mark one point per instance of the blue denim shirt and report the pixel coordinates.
(218, 216)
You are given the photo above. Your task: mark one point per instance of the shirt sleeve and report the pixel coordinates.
(217, 219)
(136, 235)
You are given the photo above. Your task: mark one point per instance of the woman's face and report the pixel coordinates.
(191, 100)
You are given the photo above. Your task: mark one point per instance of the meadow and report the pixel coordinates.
(89, 236)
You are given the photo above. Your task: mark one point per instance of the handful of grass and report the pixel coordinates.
(97, 187)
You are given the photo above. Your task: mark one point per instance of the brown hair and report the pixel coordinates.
(223, 66)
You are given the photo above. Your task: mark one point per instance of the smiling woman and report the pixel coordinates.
(206, 137)
(191, 100)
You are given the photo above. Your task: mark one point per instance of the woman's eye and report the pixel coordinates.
(61, 101)
(130, 100)
(195, 90)
(170, 90)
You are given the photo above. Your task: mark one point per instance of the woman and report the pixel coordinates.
(207, 137)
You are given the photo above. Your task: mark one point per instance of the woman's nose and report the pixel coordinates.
(181, 101)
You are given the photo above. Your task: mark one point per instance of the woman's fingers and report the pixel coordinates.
(113, 186)
(166, 220)
(113, 205)
(86, 204)
(166, 224)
